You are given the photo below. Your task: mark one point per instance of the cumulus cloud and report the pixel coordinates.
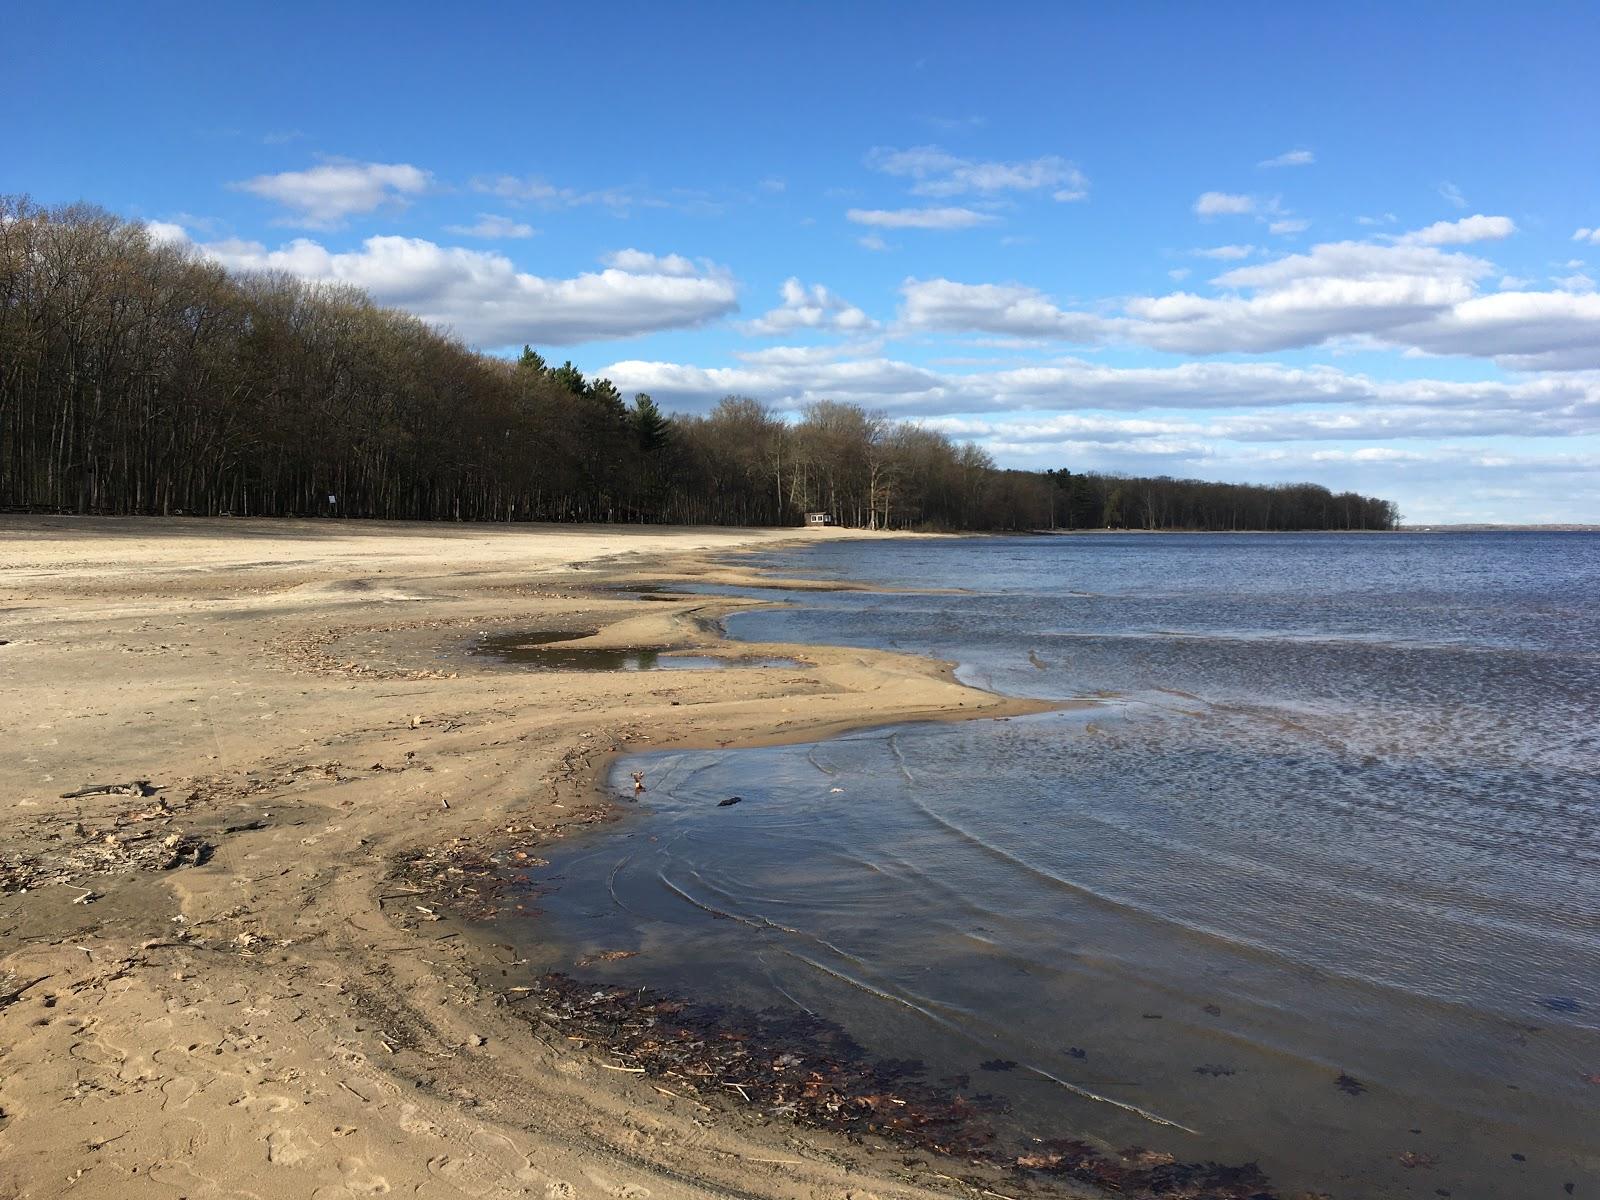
(1217, 204)
(1339, 289)
(1282, 402)
(491, 225)
(813, 307)
(1414, 297)
(640, 262)
(936, 172)
(1457, 233)
(1290, 158)
(1526, 331)
(919, 218)
(323, 197)
(1289, 225)
(1225, 252)
(1592, 236)
(482, 295)
(166, 232)
(942, 304)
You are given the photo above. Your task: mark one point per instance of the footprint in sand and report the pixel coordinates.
(413, 1123)
(623, 1191)
(359, 1180)
(178, 1092)
(492, 1143)
(181, 1177)
(265, 1104)
(289, 1147)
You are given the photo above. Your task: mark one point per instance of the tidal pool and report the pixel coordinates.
(541, 651)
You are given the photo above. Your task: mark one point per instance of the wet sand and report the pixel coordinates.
(216, 978)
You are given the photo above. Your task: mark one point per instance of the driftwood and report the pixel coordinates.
(136, 787)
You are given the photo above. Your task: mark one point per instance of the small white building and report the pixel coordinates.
(819, 518)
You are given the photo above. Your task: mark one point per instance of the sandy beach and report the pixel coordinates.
(213, 983)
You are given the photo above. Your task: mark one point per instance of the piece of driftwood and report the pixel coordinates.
(134, 787)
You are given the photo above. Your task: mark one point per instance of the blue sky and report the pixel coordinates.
(1356, 243)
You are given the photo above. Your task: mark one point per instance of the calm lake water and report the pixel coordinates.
(1315, 882)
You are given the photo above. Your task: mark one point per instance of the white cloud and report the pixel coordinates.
(1282, 403)
(491, 225)
(1179, 273)
(919, 218)
(1289, 225)
(1578, 282)
(1340, 289)
(482, 296)
(938, 173)
(618, 201)
(1592, 236)
(640, 262)
(165, 232)
(324, 197)
(1525, 331)
(1452, 193)
(1415, 298)
(813, 307)
(873, 242)
(1225, 252)
(1215, 204)
(1290, 158)
(1387, 218)
(941, 304)
(1468, 229)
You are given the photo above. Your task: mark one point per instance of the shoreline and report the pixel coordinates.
(261, 1006)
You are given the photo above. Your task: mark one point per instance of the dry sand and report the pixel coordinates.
(273, 1021)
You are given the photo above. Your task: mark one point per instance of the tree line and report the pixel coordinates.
(138, 376)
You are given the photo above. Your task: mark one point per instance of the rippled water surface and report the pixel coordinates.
(1316, 881)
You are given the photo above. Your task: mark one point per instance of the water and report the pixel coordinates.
(540, 650)
(1313, 883)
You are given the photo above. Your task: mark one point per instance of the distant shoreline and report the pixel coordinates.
(1498, 529)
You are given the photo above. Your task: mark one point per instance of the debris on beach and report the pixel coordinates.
(731, 800)
(140, 839)
(780, 1063)
(463, 876)
(589, 960)
(136, 787)
(1349, 1084)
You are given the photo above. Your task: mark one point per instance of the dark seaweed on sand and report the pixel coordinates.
(1349, 1084)
(788, 1064)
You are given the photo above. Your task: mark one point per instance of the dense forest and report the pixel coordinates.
(137, 376)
